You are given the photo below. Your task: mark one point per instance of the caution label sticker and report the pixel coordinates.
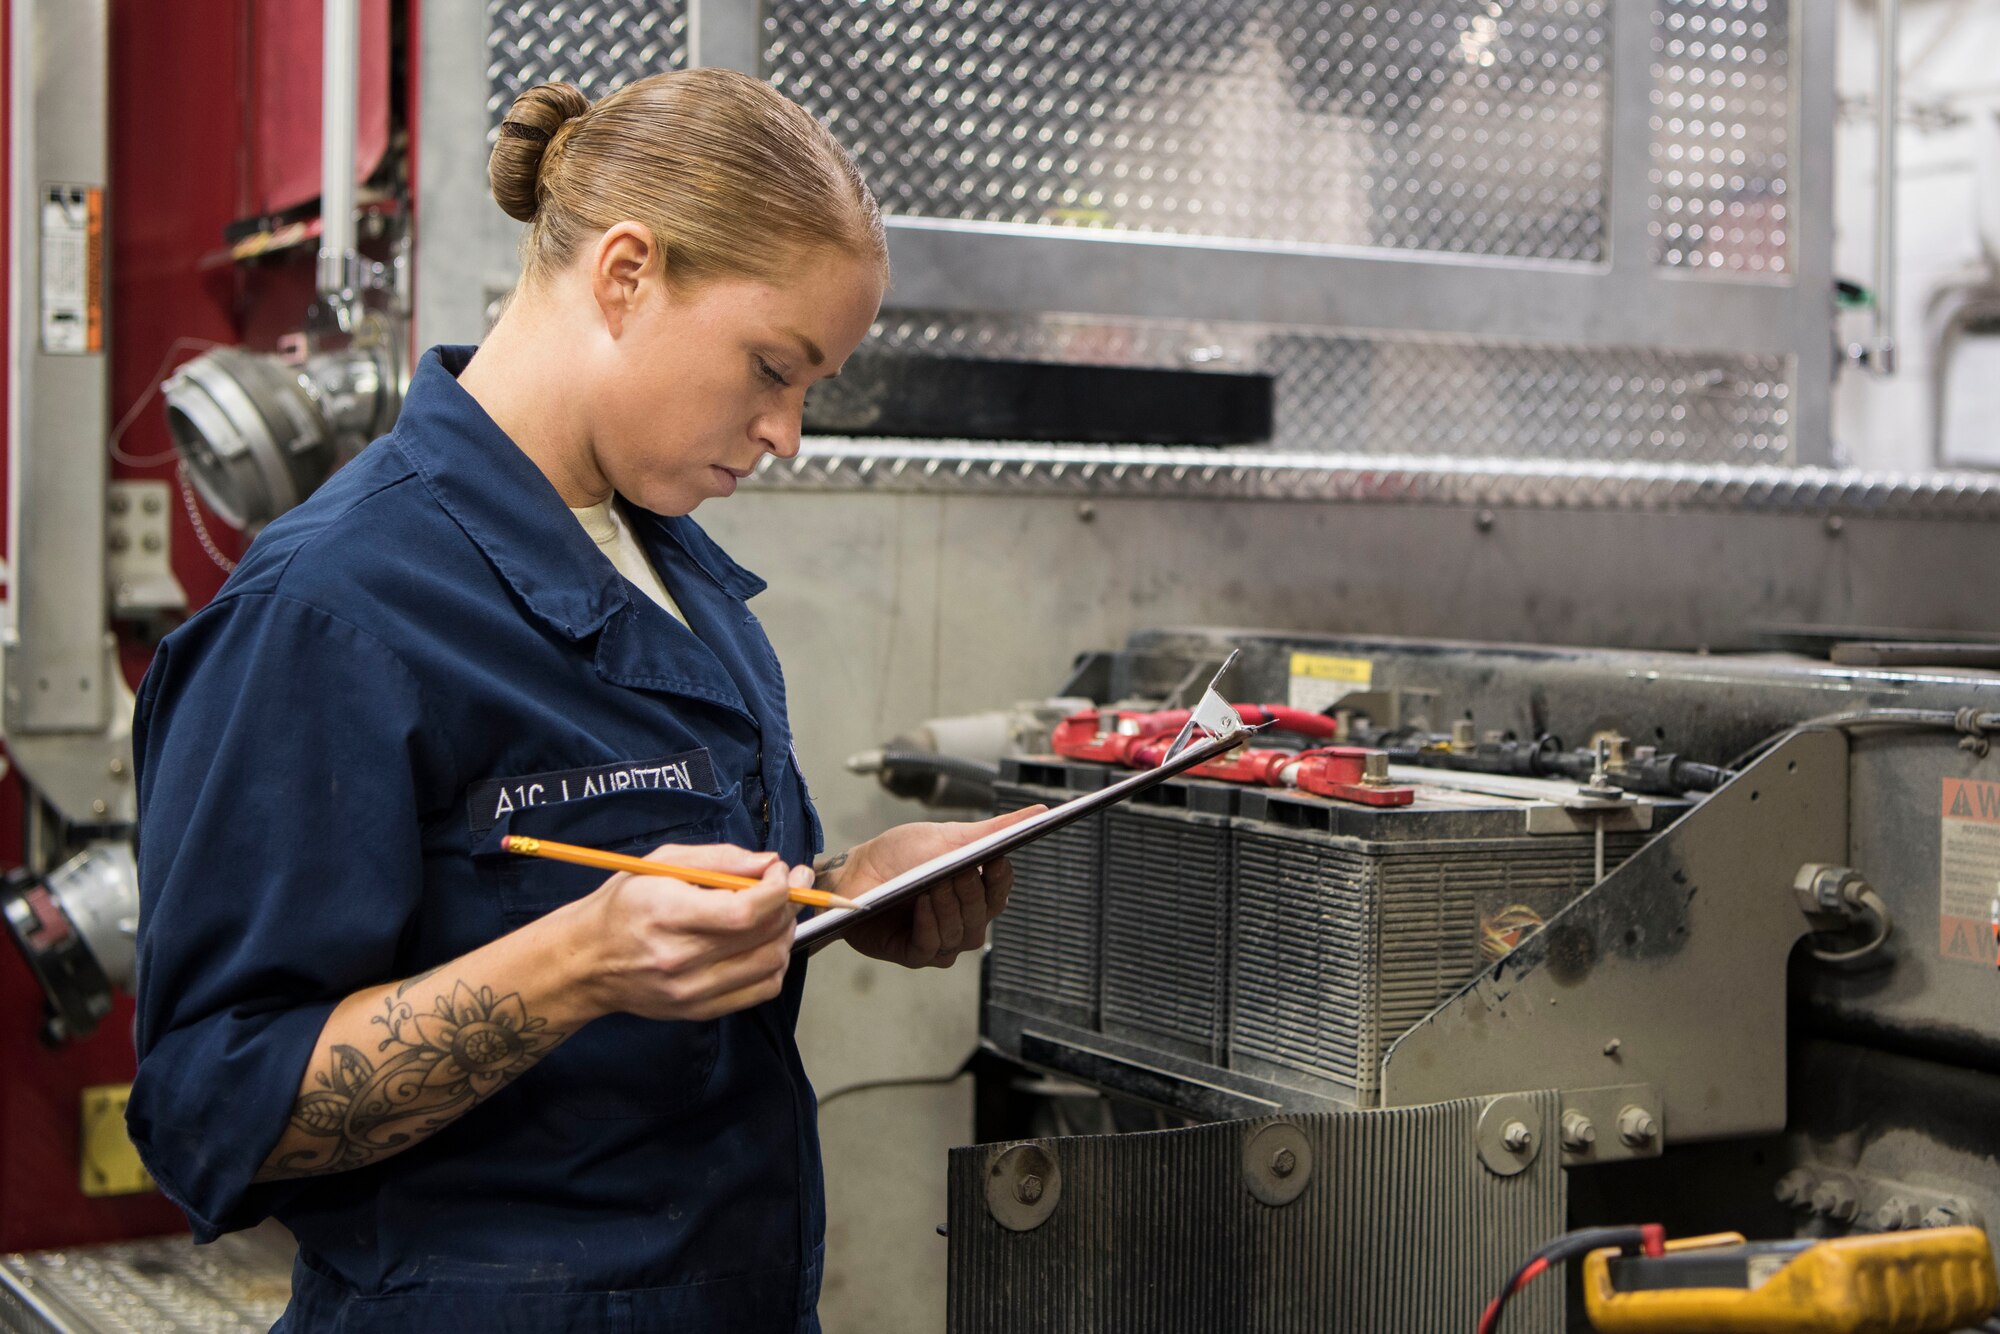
(1320, 681)
(1969, 871)
(72, 269)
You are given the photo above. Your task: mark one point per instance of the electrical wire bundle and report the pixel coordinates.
(1647, 1239)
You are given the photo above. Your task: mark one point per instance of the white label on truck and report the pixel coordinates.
(72, 269)
(1969, 871)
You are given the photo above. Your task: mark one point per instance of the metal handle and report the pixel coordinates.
(1879, 353)
(339, 94)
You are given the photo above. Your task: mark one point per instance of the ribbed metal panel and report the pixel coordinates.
(1166, 928)
(1304, 978)
(1046, 945)
(1399, 1230)
(1343, 944)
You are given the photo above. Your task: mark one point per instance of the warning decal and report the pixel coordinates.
(1319, 682)
(1969, 871)
(72, 269)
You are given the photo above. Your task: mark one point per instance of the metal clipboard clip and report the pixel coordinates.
(1213, 715)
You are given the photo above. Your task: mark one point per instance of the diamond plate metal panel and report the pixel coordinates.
(1367, 395)
(598, 45)
(1462, 126)
(168, 1285)
(1721, 149)
(951, 467)
(1363, 394)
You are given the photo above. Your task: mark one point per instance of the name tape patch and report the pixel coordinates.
(487, 802)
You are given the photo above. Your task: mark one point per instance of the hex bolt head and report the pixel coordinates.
(1795, 1188)
(1578, 1133)
(1892, 1215)
(1517, 1137)
(1637, 1127)
(1284, 1162)
(1942, 1216)
(1835, 1199)
(1375, 768)
(1028, 1189)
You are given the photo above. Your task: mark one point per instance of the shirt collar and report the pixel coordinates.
(508, 507)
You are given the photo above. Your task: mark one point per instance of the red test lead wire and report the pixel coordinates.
(1648, 1238)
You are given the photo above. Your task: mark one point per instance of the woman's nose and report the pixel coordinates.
(779, 433)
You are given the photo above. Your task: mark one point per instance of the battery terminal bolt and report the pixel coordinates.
(1795, 1188)
(1894, 1214)
(1952, 1213)
(1835, 1199)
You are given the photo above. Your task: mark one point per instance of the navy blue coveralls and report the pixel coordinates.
(427, 655)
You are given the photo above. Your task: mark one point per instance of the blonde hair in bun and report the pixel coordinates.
(731, 177)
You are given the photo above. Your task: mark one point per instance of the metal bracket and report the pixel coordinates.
(1687, 939)
(85, 775)
(139, 548)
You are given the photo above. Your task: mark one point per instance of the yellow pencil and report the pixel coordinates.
(618, 861)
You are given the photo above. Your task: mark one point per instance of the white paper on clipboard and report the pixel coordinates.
(830, 924)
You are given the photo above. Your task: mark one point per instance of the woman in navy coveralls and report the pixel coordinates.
(489, 1093)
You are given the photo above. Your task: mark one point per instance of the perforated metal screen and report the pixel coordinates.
(1460, 125)
(1721, 148)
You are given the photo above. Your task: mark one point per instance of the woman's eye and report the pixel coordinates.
(770, 372)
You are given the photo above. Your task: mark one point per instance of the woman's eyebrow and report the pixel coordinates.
(813, 354)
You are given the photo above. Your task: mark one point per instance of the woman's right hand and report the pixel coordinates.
(664, 949)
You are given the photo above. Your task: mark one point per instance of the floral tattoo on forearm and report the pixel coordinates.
(428, 1069)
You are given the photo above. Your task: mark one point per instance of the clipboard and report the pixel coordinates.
(830, 925)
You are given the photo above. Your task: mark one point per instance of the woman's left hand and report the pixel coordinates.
(933, 929)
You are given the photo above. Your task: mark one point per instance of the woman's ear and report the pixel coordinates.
(624, 255)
